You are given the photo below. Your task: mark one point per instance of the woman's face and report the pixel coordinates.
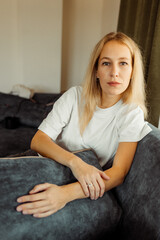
(114, 69)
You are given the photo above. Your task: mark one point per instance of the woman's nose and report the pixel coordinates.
(114, 71)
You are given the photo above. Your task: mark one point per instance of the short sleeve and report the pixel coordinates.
(60, 115)
(131, 126)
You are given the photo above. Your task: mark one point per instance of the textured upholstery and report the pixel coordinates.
(139, 195)
(83, 219)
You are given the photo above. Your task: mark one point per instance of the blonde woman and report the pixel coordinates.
(106, 115)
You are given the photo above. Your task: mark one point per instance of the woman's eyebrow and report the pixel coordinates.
(121, 58)
(124, 58)
(105, 58)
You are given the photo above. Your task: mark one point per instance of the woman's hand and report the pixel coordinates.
(43, 200)
(90, 178)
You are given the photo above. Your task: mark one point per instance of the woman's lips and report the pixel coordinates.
(113, 83)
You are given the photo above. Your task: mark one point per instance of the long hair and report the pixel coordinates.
(91, 93)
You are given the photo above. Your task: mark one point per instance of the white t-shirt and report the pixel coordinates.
(119, 123)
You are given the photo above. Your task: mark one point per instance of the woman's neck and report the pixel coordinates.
(107, 102)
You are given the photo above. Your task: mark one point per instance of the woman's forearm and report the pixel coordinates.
(116, 178)
(74, 191)
(44, 145)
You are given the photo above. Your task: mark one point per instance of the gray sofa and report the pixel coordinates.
(139, 195)
(19, 119)
(130, 211)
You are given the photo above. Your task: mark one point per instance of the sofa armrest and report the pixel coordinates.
(139, 195)
(82, 219)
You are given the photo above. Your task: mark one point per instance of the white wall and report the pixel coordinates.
(30, 44)
(85, 22)
(33, 51)
(8, 43)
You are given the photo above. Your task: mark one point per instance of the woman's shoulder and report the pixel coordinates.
(73, 91)
(129, 109)
(70, 95)
(129, 114)
(130, 123)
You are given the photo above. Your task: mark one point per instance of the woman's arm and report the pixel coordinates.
(44, 145)
(83, 172)
(117, 173)
(45, 199)
(121, 164)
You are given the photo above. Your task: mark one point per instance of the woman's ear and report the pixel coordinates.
(97, 76)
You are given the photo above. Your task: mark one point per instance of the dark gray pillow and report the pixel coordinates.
(17, 110)
(83, 219)
(31, 113)
(14, 141)
(9, 105)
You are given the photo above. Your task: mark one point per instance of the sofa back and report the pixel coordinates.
(139, 195)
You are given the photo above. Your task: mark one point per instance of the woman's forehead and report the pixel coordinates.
(116, 49)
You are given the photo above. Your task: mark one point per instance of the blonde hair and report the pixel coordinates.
(91, 94)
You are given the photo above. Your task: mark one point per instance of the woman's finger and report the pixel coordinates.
(101, 185)
(91, 189)
(37, 210)
(44, 214)
(104, 176)
(31, 198)
(84, 187)
(96, 189)
(40, 187)
(30, 206)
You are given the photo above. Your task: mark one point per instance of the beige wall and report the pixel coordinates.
(33, 50)
(30, 44)
(84, 23)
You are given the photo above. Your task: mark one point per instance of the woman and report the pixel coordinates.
(106, 115)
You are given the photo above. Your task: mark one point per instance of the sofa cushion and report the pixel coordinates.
(8, 105)
(29, 112)
(83, 219)
(14, 141)
(46, 98)
(139, 195)
(33, 111)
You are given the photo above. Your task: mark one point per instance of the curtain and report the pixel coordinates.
(140, 19)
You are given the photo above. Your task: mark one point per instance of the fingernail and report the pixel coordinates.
(19, 200)
(19, 209)
(24, 212)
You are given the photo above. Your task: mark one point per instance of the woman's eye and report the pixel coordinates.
(106, 63)
(123, 63)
